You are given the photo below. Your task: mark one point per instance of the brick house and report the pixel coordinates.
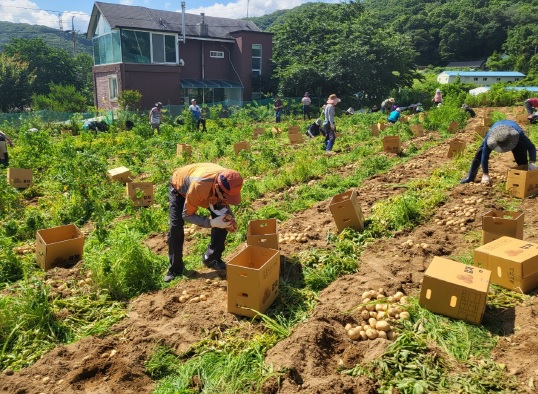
(173, 57)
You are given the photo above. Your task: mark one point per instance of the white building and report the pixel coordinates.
(481, 78)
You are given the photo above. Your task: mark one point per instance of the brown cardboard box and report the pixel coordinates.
(375, 130)
(482, 130)
(263, 232)
(404, 119)
(140, 192)
(422, 116)
(456, 147)
(120, 174)
(257, 132)
(486, 122)
(522, 183)
(20, 178)
(453, 126)
(381, 126)
(239, 146)
(253, 280)
(417, 130)
(295, 138)
(497, 223)
(184, 149)
(522, 119)
(294, 130)
(59, 246)
(66, 131)
(456, 290)
(392, 144)
(513, 263)
(346, 211)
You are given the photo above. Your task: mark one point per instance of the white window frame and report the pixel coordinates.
(216, 54)
(113, 87)
(257, 71)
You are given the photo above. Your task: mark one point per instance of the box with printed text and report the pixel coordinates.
(120, 174)
(455, 290)
(20, 178)
(522, 183)
(263, 232)
(346, 211)
(253, 280)
(59, 246)
(140, 192)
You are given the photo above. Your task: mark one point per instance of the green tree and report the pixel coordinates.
(61, 98)
(15, 83)
(129, 100)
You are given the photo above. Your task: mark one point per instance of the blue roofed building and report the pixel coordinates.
(480, 78)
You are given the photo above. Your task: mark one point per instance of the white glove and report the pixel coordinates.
(219, 222)
(532, 167)
(486, 180)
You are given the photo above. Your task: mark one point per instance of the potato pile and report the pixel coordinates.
(378, 311)
(459, 216)
(292, 237)
(186, 297)
(189, 231)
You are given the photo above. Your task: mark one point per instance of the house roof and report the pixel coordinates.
(483, 89)
(134, 17)
(484, 73)
(470, 63)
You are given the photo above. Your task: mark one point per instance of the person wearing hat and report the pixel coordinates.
(437, 98)
(469, 110)
(155, 116)
(197, 115)
(315, 129)
(329, 125)
(4, 140)
(386, 105)
(205, 185)
(503, 136)
(394, 115)
(306, 101)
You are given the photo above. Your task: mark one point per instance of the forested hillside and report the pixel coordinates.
(52, 37)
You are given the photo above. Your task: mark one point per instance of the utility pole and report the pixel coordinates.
(74, 34)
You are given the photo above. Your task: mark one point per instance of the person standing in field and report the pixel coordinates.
(438, 98)
(155, 116)
(205, 185)
(329, 125)
(197, 115)
(306, 101)
(4, 140)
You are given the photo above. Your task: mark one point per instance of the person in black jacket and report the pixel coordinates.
(315, 129)
(469, 110)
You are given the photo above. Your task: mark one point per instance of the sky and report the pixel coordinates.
(76, 13)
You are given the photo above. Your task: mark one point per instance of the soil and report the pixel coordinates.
(319, 347)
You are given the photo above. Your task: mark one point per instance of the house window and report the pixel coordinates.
(475, 79)
(113, 87)
(256, 59)
(484, 79)
(516, 79)
(145, 47)
(217, 54)
(498, 79)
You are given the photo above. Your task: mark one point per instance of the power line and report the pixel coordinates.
(42, 9)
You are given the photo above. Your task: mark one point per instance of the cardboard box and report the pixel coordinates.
(486, 122)
(375, 130)
(513, 263)
(253, 280)
(66, 131)
(417, 130)
(497, 223)
(392, 144)
(453, 126)
(482, 130)
(20, 178)
(381, 126)
(239, 146)
(522, 119)
(263, 232)
(521, 183)
(257, 132)
(456, 146)
(120, 174)
(141, 193)
(422, 116)
(404, 119)
(295, 138)
(184, 149)
(59, 246)
(455, 290)
(346, 211)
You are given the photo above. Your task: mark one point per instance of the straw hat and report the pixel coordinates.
(333, 99)
(502, 138)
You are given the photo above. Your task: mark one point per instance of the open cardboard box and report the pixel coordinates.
(497, 223)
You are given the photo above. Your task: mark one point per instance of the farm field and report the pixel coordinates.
(313, 353)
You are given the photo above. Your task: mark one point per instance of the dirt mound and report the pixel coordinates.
(319, 348)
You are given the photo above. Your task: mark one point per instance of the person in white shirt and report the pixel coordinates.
(306, 101)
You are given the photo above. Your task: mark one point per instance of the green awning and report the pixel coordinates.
(209, 83)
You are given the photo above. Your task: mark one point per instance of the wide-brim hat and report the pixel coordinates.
(333, 99)
(502, 138)
(230, 183)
